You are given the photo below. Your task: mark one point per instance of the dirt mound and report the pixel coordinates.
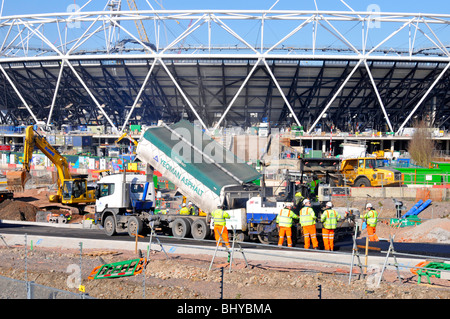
(188, 277)
(17, 210)
(433, 230)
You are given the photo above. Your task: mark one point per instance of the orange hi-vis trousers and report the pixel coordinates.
(285, 231)
(328, 238)
(219, 229)
(371, 232)
(309, 234)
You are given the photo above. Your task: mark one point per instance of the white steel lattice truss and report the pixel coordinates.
(360, 38)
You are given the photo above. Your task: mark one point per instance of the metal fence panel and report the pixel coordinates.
(19, 289)
(44, 292)
(12, 288)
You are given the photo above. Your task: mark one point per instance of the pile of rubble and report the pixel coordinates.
(189, 277)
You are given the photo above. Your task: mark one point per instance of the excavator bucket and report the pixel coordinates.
(16, 180)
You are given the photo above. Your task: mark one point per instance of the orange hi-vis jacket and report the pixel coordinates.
(285, 218)
(307, 216)
(329, 218)
(220, 217)
(371, 217)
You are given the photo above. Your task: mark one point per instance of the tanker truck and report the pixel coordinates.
(203, 171)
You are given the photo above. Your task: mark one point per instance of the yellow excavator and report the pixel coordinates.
(128, 136)
(71, 191)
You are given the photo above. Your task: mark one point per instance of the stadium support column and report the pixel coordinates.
(424, 97)
(55, 94)
(90, 93)
(138, 96)
(378, 95)
(281, 92)
(335, 95)
(237, 94)
(183, 94)
(18, 93)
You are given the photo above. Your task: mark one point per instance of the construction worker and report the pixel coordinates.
(314, 187)
(308, 223)
(191, 208)
(184, 210)
(371, 218)
(298, 198)
(284, 220)
(329, 220)
(220, 229)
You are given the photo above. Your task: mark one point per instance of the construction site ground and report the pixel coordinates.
(189, 277)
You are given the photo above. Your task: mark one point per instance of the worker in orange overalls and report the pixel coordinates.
(329, 220)
(371, 218)
(308, 223)
(220, 229)
(284, 220)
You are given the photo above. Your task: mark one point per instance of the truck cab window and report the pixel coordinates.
(137, 188)
(79, 188)
(67, 190)
(105, 189)
(370, 163)
(361, 163)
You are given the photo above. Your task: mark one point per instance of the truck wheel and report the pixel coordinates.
(262, 235)
(200, 229)
(135, 224)
(362, 182)
(110, 226)
(241, 237)
(181, 228)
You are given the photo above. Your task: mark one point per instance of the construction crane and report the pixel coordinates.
(139, 25)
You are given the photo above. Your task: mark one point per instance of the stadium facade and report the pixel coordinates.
(340, 70)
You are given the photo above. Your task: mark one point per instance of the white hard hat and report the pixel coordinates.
(369, 205)
(190, 203)
(184, 205)
(329, 204)
(306, 201)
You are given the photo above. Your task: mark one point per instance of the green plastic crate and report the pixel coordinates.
(405, 222)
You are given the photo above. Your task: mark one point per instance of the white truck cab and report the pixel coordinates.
(124, 199)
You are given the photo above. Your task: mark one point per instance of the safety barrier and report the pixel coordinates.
(20, 289)
(25, 289)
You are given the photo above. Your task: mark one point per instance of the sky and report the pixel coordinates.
(250, 29)
(15, 7)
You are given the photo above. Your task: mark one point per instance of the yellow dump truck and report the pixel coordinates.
(356, 172)
(368, 172)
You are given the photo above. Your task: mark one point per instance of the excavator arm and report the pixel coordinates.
(17, 179)
(129, 137)
(71, 191)
(34, 140)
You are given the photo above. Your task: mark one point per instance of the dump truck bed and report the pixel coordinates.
(200, 167)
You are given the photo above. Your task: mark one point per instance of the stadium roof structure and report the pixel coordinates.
(343, 69)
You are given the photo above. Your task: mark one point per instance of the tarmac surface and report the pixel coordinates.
(71, 235)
